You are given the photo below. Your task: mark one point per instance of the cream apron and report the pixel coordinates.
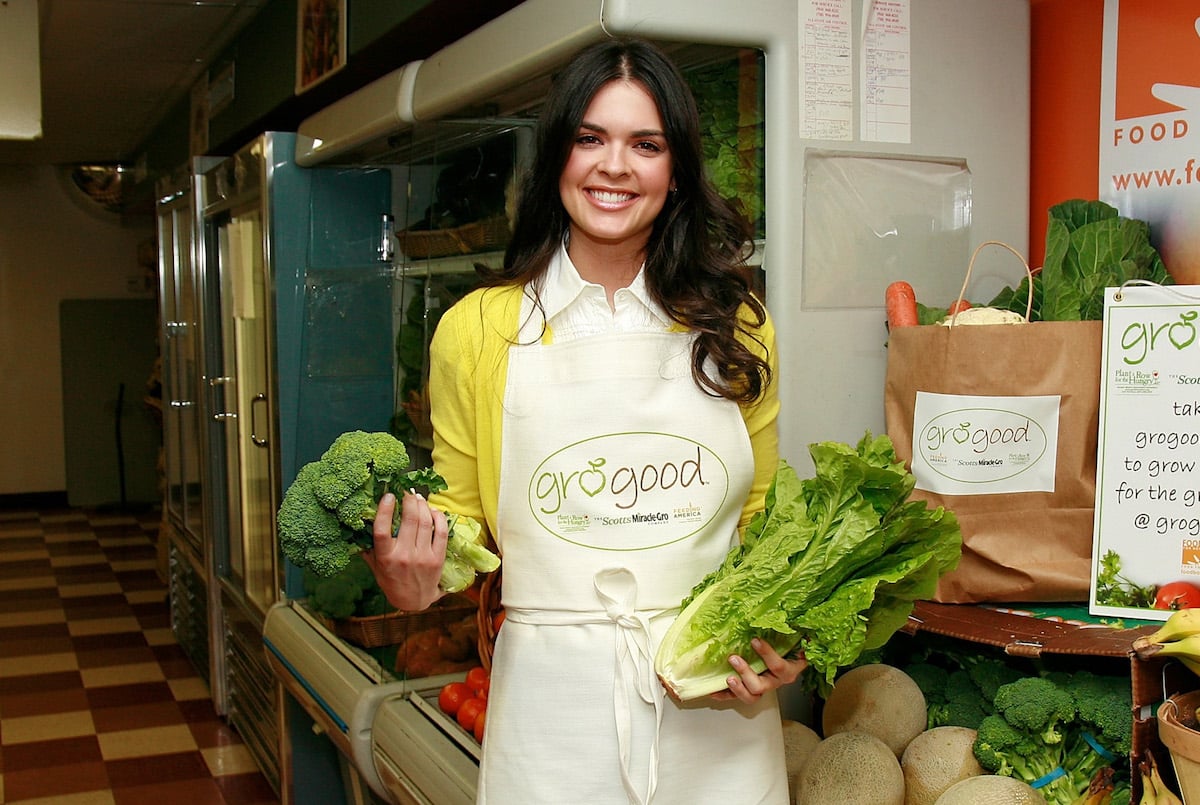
(623, 485)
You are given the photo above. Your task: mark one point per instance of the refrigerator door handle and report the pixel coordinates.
(258, 398)
(213, 382)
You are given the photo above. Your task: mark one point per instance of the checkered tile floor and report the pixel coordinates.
(98, 704)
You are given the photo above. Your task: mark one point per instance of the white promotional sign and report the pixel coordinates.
(1147, 526)
(968, 445)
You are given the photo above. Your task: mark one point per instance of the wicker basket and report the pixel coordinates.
(422, 243)
(488, 615)
(393, 628)
(484, 235)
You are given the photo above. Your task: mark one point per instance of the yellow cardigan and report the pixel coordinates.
(467, 374)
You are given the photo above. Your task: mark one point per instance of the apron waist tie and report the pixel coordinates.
(617, 588)
(633, 659)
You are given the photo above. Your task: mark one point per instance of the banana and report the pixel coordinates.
(1191, 663)
(1165, 795)
(1181, 624)
(1149, 792)
(1183, 647)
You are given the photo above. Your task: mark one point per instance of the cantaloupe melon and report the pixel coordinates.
(799, 739)
(851, 768)
(935, 760)
(877, 699)
(990, 789)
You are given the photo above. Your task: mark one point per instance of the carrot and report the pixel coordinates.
(901, 305)
(958, 306)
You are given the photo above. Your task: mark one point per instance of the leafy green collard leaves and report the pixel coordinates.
(1089, 247)
(831, 567)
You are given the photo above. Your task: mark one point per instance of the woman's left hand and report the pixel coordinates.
(749, 686)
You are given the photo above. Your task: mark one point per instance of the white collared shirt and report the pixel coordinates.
(576, 308)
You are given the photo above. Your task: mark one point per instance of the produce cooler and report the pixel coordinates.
(401, 745)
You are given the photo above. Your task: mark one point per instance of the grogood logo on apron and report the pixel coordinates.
(628, 491)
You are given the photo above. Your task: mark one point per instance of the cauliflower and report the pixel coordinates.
(984, 315)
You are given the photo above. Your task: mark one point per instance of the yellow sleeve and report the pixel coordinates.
(761, 418)
(468, 366)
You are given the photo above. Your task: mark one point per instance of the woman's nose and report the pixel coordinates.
(613, 162)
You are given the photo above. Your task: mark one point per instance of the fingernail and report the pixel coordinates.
(736, 661)
(731, 681)
(756, 643)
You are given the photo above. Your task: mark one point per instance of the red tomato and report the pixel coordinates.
(478, 680)
(479, 722)
(469, 711)
(453, 696)
(1177, 595)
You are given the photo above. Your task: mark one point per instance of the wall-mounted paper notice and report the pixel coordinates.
(826, 70)
(886, 72)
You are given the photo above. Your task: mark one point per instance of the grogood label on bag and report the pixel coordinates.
(971, 445)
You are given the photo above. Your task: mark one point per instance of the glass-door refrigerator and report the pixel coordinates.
(240, 435)
(180, 345)
(294, 318)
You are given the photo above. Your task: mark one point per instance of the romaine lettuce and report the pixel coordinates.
(1089, 247)
(831, 567)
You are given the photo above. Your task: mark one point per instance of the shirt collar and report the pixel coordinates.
(563, 286)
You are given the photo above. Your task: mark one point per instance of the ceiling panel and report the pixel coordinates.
(111, 69)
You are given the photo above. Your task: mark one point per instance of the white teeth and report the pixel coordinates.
(611, 198)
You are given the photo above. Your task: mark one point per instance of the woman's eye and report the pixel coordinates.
(587, 139)
(649, 145)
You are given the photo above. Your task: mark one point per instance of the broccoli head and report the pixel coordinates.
(1104, 704)
(1037, 706)
(1103, 732)
(1003, 749)
(1026, 737)
(352, 591)
(327, 513)
(310, 535)
(965, 705)
(931, 679)
(989, 673)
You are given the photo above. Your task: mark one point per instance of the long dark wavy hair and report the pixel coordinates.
(695, 257)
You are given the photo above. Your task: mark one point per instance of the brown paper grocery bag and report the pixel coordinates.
(1021, 546)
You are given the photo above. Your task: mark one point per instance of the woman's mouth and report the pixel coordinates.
(611, 197)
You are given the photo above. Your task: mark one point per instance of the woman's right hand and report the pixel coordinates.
(408, 563)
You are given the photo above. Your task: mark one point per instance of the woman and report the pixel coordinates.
(606, 406)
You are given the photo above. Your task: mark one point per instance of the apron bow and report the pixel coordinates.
(617, 590)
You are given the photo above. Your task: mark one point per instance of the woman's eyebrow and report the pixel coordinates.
(639, 133)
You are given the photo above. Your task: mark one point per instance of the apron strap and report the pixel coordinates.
(617, 589)
(633, 661)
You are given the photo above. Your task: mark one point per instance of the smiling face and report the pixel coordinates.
(618, 173)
